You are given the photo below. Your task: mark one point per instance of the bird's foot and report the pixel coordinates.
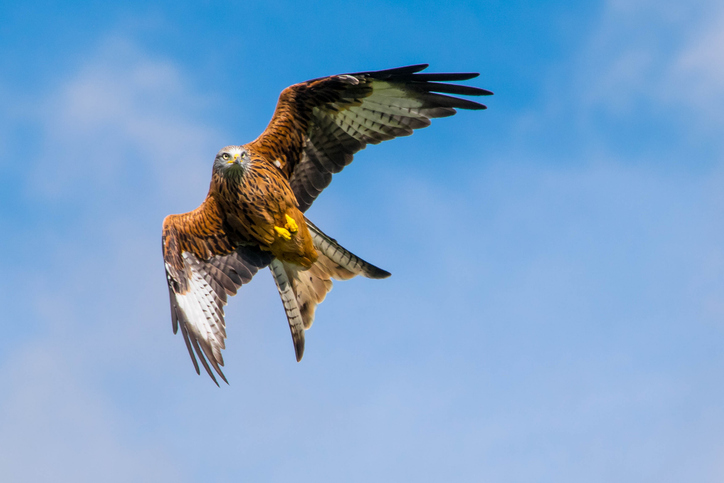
(283, 232)
(291, 224)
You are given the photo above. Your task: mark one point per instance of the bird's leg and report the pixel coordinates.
(290, 228)
(283, 232)
(291, 224)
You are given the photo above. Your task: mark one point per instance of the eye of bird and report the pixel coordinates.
(226, 156)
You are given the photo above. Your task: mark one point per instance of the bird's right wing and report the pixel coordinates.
(320, 124)
(203, 267)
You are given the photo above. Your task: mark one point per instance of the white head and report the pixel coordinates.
(231, 159)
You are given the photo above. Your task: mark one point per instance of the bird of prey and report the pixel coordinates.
(253, 215)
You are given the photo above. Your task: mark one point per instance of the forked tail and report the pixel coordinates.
(303, 289)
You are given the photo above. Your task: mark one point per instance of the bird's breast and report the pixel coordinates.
(260, 206)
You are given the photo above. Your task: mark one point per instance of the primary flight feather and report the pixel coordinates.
(253, 215)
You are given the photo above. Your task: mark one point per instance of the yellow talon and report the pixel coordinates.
(283, 232)
(291, 224)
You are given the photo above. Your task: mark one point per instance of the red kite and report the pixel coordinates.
(253, 215)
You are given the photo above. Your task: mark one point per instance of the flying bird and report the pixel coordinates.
(253, 214)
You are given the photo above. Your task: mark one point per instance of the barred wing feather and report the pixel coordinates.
(199, 286)
(320, 124)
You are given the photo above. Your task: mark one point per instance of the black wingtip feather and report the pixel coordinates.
(454, 89)
(299, 348)
(440, 77)
(200, 354)
(377, 273)
(187, 340)
(384, 74)
(212, 360)
(455, 102)
(410, 74)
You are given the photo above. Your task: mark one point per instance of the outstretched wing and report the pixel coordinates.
(203, 267)
(318, 125)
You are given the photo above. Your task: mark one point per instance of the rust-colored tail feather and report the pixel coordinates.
(294, 317)
(303, 289)
(342, 257)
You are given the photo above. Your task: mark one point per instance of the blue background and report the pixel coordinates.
(556, 309)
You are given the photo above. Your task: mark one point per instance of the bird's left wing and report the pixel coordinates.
(203, 267)
(320, 124)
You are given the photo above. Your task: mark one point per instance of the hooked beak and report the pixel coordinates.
(238, 160)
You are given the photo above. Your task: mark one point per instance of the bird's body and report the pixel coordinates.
(257, 202)
(253, 215)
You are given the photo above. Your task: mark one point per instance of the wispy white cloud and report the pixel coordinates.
(54, 427)
(541, 320)
(123, 110)
(697, 72)
(663, 57)
(123, 125)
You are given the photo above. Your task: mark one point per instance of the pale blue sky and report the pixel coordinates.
(556, 310)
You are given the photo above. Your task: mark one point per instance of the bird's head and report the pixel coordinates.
(232, 159)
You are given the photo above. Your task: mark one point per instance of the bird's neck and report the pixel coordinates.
(230, 179)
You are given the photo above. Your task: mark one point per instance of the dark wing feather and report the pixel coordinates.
(320, 124)
(202, 269)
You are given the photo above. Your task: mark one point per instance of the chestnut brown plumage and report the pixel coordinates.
(253, 214)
